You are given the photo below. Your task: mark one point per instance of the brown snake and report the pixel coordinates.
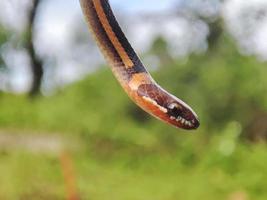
(129, 70)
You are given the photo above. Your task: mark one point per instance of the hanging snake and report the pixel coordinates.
(129, 70)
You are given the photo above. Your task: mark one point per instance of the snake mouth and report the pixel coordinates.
(184, 123)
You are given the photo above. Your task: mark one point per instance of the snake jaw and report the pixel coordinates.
(181, 122)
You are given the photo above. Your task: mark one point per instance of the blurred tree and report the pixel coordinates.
(160, 49)
(4, 36)
(229, 89)
(215, 32)
(206, 11)
(2, 41)
(36, 62)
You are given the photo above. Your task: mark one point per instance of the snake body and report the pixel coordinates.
(129, 70)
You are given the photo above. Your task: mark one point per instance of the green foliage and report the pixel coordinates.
(223, 85)
(124, 172)
(124, 154)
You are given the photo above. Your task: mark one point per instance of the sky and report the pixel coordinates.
(59, 18)
(55, 32)
(59, 14)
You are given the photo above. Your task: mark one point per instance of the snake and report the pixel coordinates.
(130, 71)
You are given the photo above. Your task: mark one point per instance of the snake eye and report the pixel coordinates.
(174, 110)
(173, 105)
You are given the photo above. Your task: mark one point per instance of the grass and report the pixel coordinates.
(138, 174)
(120, 153)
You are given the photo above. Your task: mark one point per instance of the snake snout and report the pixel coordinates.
(182, 115)
(191, 119)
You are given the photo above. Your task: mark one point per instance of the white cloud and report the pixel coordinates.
(13, 15)
(55, 26)
(247, 22)
(143, 5)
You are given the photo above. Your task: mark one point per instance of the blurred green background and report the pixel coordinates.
(68, 130)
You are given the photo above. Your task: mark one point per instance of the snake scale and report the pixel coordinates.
(129, 70)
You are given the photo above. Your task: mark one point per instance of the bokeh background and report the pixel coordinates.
(68, 130)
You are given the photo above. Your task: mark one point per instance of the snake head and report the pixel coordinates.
(166, 107)
(181, 115)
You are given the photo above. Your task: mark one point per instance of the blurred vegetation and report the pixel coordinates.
(119, 152)
(3, 39)
(125, 154)
(36, 62)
